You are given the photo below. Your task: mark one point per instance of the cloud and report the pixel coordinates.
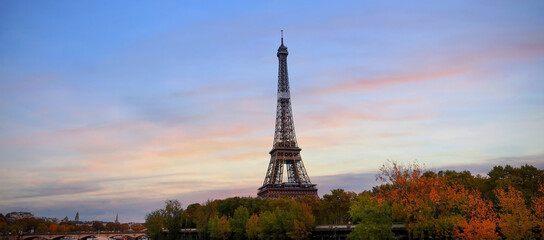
(48, 190)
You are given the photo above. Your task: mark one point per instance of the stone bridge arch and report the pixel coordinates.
(58, 237)
(33, 237)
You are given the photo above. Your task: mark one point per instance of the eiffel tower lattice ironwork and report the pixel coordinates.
(285, 152)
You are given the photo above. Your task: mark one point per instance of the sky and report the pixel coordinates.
(113, 107)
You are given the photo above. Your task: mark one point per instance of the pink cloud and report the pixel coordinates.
(439, 65)
(378, 83)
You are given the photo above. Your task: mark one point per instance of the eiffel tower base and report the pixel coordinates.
(284, 191)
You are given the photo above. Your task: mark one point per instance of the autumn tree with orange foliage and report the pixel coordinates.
(52, 228)
(515, 218)
(538, 210)
(480, 220)
(427, 204)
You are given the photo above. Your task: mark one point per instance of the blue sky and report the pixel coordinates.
(117, 106)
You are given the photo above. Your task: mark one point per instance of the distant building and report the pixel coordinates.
(76, 219)
(14, 216)
(49, 219)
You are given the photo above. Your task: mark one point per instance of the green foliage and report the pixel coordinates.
(98, 226)
(238, 223)
(170, 217)
(374, 221)
(525, 178)
(218, 228)
(335, 206)
(316, 205)
(429, 204)
(294, 222)
(275, 225)
(252, 227)
(173, 217)
(201, 216)
(154, 222)
(190, 215)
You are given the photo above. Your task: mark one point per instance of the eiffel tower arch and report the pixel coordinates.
(285, 153)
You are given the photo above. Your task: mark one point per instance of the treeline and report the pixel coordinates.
(37, 225)
(506, 203)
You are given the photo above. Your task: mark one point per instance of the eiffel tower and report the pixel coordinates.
(285, 152)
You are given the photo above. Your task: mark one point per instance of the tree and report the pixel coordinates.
(252, 227)
(98, 226)
(336, 206)
(426, 203)
(238, 222)
(42, 227)
(275, 225)
(218, 228)
(525, 179)
(124, 227)
(154, 222)
(190, 215)
(53, 227)
(374, 220)
(303, 222)
(110, 226)
(315, 204)
(538, 209)
(480, 221)
(515, 219)
(295, 222)
(201, 215)
(173, 218)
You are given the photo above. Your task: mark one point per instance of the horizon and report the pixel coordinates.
(115, 108)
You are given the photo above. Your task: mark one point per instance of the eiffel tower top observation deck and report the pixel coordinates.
(285, 152)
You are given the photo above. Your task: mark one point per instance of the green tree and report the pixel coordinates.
(98, 226)
(252, 227)
(336, 206)
(275, 225)
(525, 179)
(218, 228)
(317, 209)
(110, 226)
(42, 227)
(295, 222)
(190, 215)
(201, 215)
(303, 223)
(173, 218)
(238, 222)
(154, 222)
(374, 220)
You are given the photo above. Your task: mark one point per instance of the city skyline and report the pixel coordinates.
(114, 108)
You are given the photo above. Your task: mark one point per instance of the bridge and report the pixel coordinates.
(74, 235)
(323, 232)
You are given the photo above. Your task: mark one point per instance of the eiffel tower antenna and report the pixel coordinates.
(285, 152)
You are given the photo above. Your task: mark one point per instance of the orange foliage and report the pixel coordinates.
(515, 219)
(137, 228)
(423, 202)
(538, 209)
(52, 228)
(480, 220)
